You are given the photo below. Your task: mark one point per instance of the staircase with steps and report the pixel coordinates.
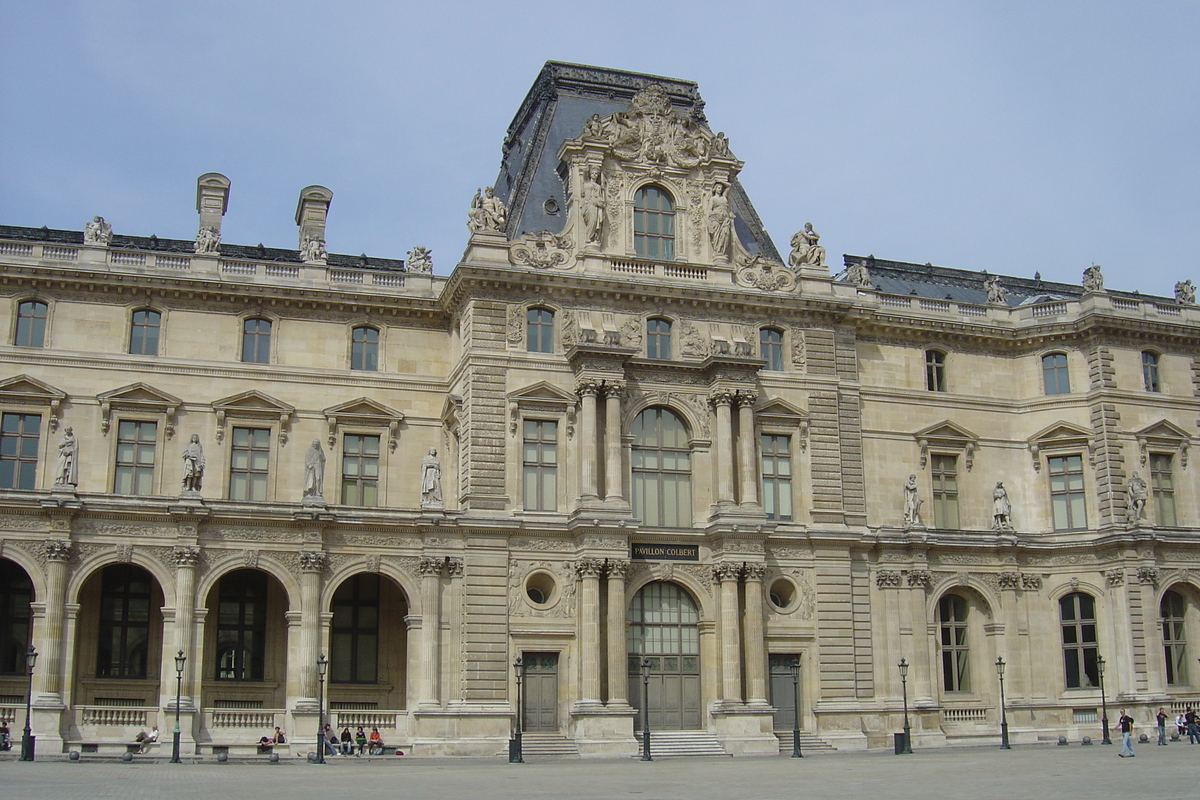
(682, 743)
(809, 744)
(543, 745)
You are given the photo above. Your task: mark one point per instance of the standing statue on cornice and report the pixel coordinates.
(314, 473)
(806, 252)
(1137, 498)
(487, 213)
(193, 465)
(66, 470)
(996, 294)
(1001, 508)
(720, 220)
(912, 503)
(592, 206)
(97, 231)
(1093, 279)
(1185, 292)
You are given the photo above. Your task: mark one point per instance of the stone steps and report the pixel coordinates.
(809, 744)
(669, 744)
(544, 745)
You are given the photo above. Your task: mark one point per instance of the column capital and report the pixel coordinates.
(618, 569)
(587, 387)
(754, 572)
(57, 550)
(312, 560)
(727, 571)
(589, 567)
(720, 396)
(185, 555)
(745, 397)
(454, 566)
(611, 387)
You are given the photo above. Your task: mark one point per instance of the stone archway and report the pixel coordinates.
(664, 627)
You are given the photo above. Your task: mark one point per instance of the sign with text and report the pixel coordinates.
(666, 552)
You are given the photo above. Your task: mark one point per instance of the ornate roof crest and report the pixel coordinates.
(759, 272)
(651, 131)
(542, 250)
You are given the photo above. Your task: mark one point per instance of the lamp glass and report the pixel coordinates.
(31, 658)
(903, 668)
(1100, 664)
(1000, 666)
(180, 660)
(322, 665)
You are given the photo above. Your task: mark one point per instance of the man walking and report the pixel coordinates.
(1126, 724)
(1161, 719)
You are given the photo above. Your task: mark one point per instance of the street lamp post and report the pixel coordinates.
(322, 665)
(27, 738)
(180, 660)
(1003, 716)
(795, 665)
(515, 756)
(907, 749)
(646, 709)
(1103, 701)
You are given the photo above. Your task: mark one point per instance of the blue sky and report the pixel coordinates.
(1016, 137)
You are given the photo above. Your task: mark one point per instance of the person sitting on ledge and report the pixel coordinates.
(376, 742)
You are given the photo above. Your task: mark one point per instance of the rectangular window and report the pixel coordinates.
(1174, 636)
(658, 339)
(31, 324)
(249, 455)
(19, 435)
(360, 470)
(256, 341)
(945, 491)
(770, 348)
(1163, 486)
(935, 370)
(1066, 493)
(143, 333)
(539, 464)
(135, 457)
(777, 476)
(1054, 373)
(364, 349)
(1150, 371)
(539, 330)
(1078, 620)
(122, 644)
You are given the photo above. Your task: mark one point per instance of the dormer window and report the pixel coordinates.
(654, 224)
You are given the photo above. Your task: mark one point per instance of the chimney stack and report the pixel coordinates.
(311, 212)
(212, 199)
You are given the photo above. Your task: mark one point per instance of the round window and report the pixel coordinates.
(541, 588)
(783, 594)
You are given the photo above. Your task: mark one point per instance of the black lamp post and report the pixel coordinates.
(27, 738)
(322, 665)
(1003, 716)
(180, 660)
(646, 709)
(514, 746)
(907, 749)
(795, 666)
(1103, 701)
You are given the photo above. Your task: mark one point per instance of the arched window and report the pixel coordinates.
(354, 633)
(31, 324)
(256, 341)
(664, 627)
(1077, 615)
(662, 470)
(1054, 373)
(1150, 371)
(242, 626)
(16, 593)
(952, 622)
(935, 370)
(653, 224)
(364, 348)
(1172, 608)
(539, 330)
(124, 622)
(658, 338)
(143, 332)
(770, 348)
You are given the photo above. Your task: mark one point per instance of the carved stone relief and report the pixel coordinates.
(542, 250)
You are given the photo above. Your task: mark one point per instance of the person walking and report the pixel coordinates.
(1161, 719)
(1126, 723)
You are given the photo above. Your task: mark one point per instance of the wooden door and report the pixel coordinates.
(541, 692)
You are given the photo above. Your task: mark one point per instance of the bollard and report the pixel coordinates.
(74, 755)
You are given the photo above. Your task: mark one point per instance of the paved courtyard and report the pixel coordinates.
(1041, 772)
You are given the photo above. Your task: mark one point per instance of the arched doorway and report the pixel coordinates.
(119, 643)
(368, 646)
(664, 627)
(16, 595)
(246, 642)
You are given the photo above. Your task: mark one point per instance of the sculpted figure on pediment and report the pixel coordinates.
(651, 131)
(805, 248)
(420, 259)
(488, 213)
(1185, 292)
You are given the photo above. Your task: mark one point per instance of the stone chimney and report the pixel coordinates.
(212, 199)
(311, 211)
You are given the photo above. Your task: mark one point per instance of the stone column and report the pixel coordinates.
(427, 684)
(587, 390)
(185, 557)
(722, 400)
(312, 562)
(731, 653)
(50, 661)
(612, 440)
(755, 647)
(618, 680)
(413, 660)
(748, 472)
(589, 570)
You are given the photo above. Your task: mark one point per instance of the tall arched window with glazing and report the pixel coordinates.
(654, 223)
(662, 470)
(956, 662)
(1173, 610)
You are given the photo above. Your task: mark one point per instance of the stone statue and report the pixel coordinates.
(719, 146)
(1185, 292)
(193, 464)
(487, 213)
(208, 240)
(314, 472)
(420, 259)
(592, 207)
(593, 128)
(996, 294)
(66, 470)
(1137, 498)
(1093, 279)
(313, 250)
(858, 274)
(912, 503)
(97, 231)
(720, 220)
(805, 250)
(1001, 509)
(431, 480)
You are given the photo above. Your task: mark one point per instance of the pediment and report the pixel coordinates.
(776, 409)
(1163, 435)
(24, 390)
(947, 435)
(1060, 436)
(544, 397)
(255, 405)
(138, 397)
(366, 412)
(544, 392)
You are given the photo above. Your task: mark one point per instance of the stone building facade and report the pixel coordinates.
(624, 427)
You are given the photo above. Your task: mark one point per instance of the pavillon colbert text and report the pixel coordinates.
(666, 552)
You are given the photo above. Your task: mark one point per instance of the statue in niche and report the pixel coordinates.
(858, 274)
(997, 295)
(97, 231)
(313, 250)
(592, 206)
(193, 464)
(314, 472)
(912, 503)
(1137, 498)
(806, 252)
(66, 470)
(208, 240)
(431, 480)
(1093, 279)
(1185, 292)
(420, 259)
(720, 220)
(1001, 509)
(487, 213)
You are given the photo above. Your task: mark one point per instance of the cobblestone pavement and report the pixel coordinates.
(1024, 772)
